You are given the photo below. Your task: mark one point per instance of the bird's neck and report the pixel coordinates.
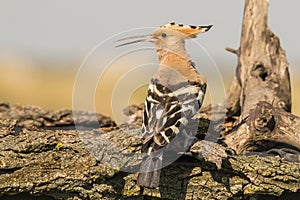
(173, 59)
(174, 65)
(168, 56)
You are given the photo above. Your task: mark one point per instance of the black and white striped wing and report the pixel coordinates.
(168, 110)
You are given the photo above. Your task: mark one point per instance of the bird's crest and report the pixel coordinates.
(190, 30)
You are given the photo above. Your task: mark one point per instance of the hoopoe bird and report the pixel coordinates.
(175, 95)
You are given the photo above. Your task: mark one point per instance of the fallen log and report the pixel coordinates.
(45, 155)
(54, 163)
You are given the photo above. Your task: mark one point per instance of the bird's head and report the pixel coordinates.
(170, 36)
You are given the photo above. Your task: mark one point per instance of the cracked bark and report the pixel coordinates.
(262, 72)
(43, 156)
(260, 93)
(54, 163)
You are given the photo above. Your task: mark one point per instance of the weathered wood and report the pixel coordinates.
(262, 72)
(43, 156)
(260, 93)
(266, 129)
(33, 116)
(55, 164)
(233, 107)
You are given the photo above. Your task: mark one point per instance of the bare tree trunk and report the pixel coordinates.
(261, 88)
(42, 156)
(262, 73)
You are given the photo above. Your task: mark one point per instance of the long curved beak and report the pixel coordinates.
(145, 38)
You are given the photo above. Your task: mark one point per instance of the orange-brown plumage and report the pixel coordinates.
(190, 30)
(175, 95)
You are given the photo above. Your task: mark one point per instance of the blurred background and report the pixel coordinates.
(45, 45)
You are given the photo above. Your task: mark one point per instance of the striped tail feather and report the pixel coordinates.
(150, 169)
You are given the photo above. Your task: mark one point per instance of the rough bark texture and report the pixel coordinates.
(262, 73)
(260, 93)
(269, 130)
(41, 162)
(43, 156)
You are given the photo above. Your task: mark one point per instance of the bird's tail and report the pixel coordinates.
(149, 175)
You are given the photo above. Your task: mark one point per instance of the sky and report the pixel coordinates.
(69, 28)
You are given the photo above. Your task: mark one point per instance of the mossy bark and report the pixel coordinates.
(53, 163)
(44, 156)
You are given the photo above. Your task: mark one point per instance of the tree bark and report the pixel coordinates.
(260, 93)
(52, 162)
(262, 73)
(43, 156)
(267, 129)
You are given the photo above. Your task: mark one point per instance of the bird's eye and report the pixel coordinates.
(163, 35)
